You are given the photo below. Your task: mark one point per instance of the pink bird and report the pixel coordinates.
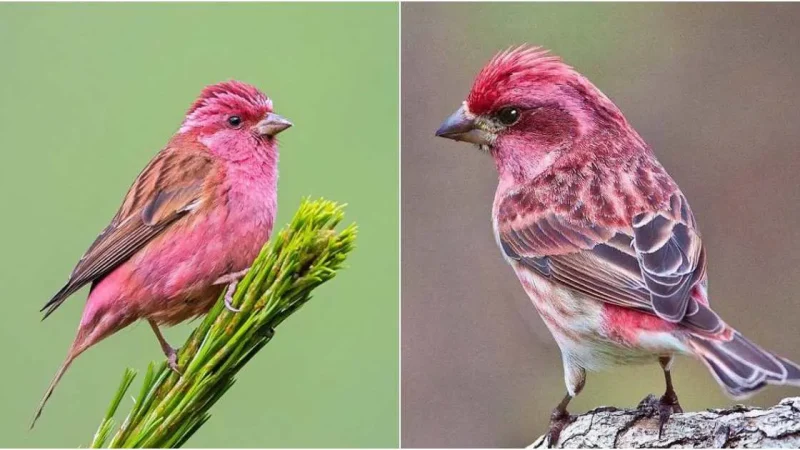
(192, 222)
(600, 236)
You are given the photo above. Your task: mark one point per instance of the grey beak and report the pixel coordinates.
(272, 125)
(459, 127)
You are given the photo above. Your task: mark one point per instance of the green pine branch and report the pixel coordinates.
(170, 408)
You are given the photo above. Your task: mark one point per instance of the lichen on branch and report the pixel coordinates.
(736, 427)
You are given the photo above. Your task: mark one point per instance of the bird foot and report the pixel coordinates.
(558, 420)
(231, 277)
(229, 297)
(665, 406)
(172, 360)
(232, 280)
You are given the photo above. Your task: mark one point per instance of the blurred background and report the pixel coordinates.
(89, 93)
(713, 88)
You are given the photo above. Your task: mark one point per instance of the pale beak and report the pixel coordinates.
(460, 127)
(271, 125)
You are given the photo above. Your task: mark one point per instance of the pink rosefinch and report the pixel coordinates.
(600, 236)
(192, 222)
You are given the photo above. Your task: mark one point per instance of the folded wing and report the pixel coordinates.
(169, 188)
(650, 266)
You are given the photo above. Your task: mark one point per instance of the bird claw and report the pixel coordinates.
(558, 420)
(667, 405)
(232, 280)
(172, 361)
(664, 406)
(231, 277)
(648, 403)
(229, 297)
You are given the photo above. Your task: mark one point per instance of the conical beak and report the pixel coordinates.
(272, 124)
(461, 127)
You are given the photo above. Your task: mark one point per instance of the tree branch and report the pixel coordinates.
(170, 408)
(736, 427)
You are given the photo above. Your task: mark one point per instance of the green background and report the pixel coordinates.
(89, 93)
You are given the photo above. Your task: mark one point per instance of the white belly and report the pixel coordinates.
(578, 325)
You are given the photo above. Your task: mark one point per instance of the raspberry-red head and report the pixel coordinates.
(232, 94)
(233, 106)
(515, 76)
(530, 109)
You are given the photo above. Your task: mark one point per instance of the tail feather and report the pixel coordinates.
(748, 353)
(792, 370)
(61, 370)
(736, 387)
(742, 367)
(59, 298)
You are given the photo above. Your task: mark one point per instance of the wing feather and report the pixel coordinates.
(651, 265)
(171, 186)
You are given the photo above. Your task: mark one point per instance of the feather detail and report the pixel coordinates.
(174, 184)
(742, 367)
(621, 248)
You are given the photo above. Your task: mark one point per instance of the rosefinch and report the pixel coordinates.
(600, 236)
(193, 221)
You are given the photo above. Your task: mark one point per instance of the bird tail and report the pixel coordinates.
(742, 367)
(59, 298)
(70, 357)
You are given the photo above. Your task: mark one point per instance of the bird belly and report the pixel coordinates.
(585, 331)
(176, 272)
(184, 306)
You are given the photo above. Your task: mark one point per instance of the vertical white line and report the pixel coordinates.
(399, 223)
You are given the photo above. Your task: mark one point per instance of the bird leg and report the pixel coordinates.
(231, 279)
(575, 379)
(171, 353)
(668, 403)
(558, 420)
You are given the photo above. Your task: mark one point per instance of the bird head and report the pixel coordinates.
(231, 114)
(528, 109)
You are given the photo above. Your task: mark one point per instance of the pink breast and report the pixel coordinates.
(181, 262)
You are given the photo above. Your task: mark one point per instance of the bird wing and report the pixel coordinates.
(171, 186)
(651, 265)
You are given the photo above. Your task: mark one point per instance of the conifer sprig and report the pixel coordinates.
(169, 408)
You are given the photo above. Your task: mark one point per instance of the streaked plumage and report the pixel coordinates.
(600, 236)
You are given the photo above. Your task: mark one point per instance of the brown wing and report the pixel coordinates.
(170, 187)
(651, 266)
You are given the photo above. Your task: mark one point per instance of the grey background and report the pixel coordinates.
(712, 88)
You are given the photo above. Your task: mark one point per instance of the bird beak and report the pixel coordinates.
(461, 126)
(271, 125)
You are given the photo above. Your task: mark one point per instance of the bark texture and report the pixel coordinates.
(736, 427)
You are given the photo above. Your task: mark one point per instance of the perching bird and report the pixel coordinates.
(600, 236)
(192, 222)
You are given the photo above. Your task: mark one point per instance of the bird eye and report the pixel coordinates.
(508, 116)
(235, 121)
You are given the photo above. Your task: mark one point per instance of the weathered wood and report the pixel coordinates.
(736, 427)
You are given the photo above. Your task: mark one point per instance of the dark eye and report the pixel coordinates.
(235, 121)
(508, 115)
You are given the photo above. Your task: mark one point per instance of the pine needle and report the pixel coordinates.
(170, 408)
